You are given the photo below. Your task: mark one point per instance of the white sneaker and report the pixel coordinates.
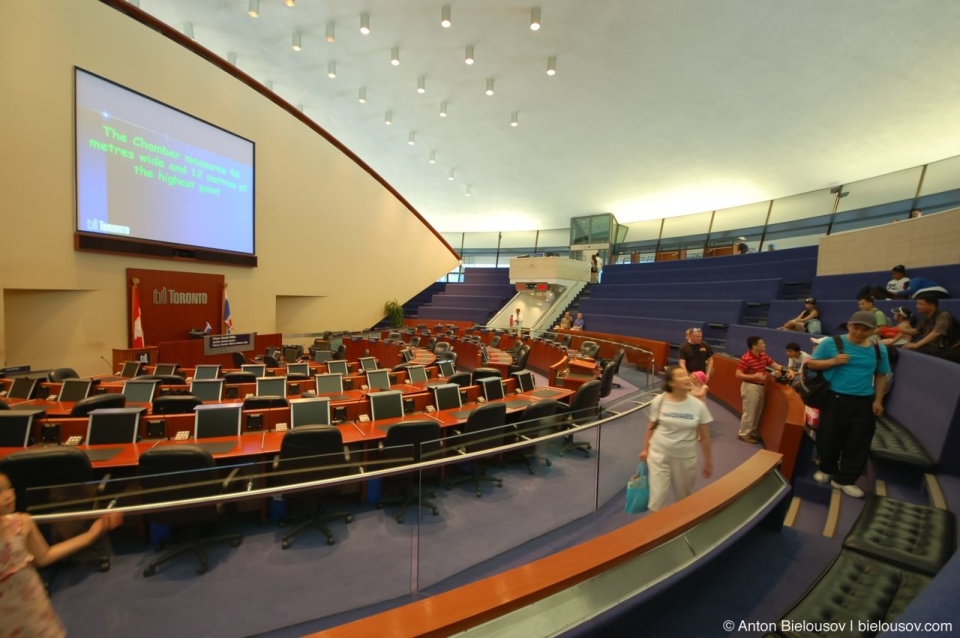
(849, 490)
(821, 477)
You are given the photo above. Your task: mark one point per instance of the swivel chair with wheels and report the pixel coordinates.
(529, 427)
(606, 379)
(265, 402)
(310, 453)
(177, 472)
(59, 374)
(616, 361)
(414, 342)
(461, 379)
(270, 362)
(584, 408)
(485, 373)
(483, 430)
(414, 441)
(84, 407)
(520, 360)
(175, 404)
(589, 349)
(238, 359)
(236, 378)
(495, 341)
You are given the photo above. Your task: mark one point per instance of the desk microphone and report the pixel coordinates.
(107, 362)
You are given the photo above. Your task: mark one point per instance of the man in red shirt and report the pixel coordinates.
(752, 373)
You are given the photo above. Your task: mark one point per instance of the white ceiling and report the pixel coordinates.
(658, 107)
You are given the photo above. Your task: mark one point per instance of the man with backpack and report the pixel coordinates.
(857, 373)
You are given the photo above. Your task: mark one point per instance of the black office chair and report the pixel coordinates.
(238, 359)
(431, 342)
(270, 361)
(584, 408)
(310, 453)
(341, 353)
(175, 404)
(164, 379)
(421, 439)
(68, 475)
(616, 361)
(514, 350)
(414, 342)
(178, 472)
(84, 407)
(485, 373)
(461, 379)
(589, 349)
(520, 360)
(606, 380)
(564, 341)
(531, 426)
(3, 405)
(440, 348)
(59, 374)
(265, 402)
(236, 378)
(483, 430)
(495, 341)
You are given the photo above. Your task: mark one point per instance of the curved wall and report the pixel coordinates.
(329, 235)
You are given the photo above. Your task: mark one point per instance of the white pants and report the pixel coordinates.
(670, 470)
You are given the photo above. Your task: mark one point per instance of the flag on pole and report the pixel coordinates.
(208, 329)
(135, 315)
(227, 320)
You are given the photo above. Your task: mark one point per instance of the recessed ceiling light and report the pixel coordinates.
(331, 69)
(433, 157)
(410, 138)
(515, 119)
(451, 175)
(489, 90)
(443, 109)
(388, 118)
(365, 23)
(253, 9)
(552, 65)
(535, 19)
(421, 85)
(290, 3)
(362, 95)
(395, 56)
(445, 16)
(469, 191)
(296, 44)
(331, 35)
(468, 58)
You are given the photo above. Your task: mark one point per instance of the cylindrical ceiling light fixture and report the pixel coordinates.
(253, 9)
(489, 90)
(362, 95)
(452, 175)
(515, 118)
(365, 23)
(296, 44)
(535, 19)
(388, 118)
(331, 69)
(421, 85)
(290, 3)
(552, 65)
(433, 157)
(411, 138)
(445, 16)
(395, 56)
(331, 33)
(469, 191)
(443, 109)
(468, 57)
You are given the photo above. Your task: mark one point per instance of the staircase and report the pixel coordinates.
(483, 292)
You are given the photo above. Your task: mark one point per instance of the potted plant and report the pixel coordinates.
(394, 312)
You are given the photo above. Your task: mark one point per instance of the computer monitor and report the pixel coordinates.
(298, 368)
(386, 405)
(217, 420)
(368, 363)
(417, 374)
(492, 388)
(338, 366)
(22, 388)
(140, 391)
(484, 355)
(204, 372)
(447, 369)
(446, 396)
(130, 369)
(315, 411)
(207, 389)
(165, 369)
(113, 426)
(258, 369)
(74, 389)
(378, 379)
(525, 380)
(329, 383)
(321, 356)
(271, 386)
(16, 426)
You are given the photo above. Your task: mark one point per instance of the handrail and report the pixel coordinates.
(457, 610)
(312, 485)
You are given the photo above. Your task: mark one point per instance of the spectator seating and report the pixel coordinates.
(748, 289)
(482, 293)
(846, 286)
(804, 252)
(788, 270)
(833, 313)
(717, 311)
(669, 330)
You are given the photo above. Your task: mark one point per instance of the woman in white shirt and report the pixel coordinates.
(670, 450)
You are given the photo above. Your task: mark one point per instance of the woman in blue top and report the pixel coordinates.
(848, 419)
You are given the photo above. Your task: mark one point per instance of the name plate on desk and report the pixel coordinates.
(225, 344)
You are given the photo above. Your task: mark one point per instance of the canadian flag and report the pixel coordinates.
(135, 315)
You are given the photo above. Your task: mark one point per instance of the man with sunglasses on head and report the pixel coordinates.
(696, 356)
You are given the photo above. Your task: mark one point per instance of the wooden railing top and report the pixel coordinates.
(484, 600)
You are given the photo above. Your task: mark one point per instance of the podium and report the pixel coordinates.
(135, 354)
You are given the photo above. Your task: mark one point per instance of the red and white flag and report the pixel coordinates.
(135, 316)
